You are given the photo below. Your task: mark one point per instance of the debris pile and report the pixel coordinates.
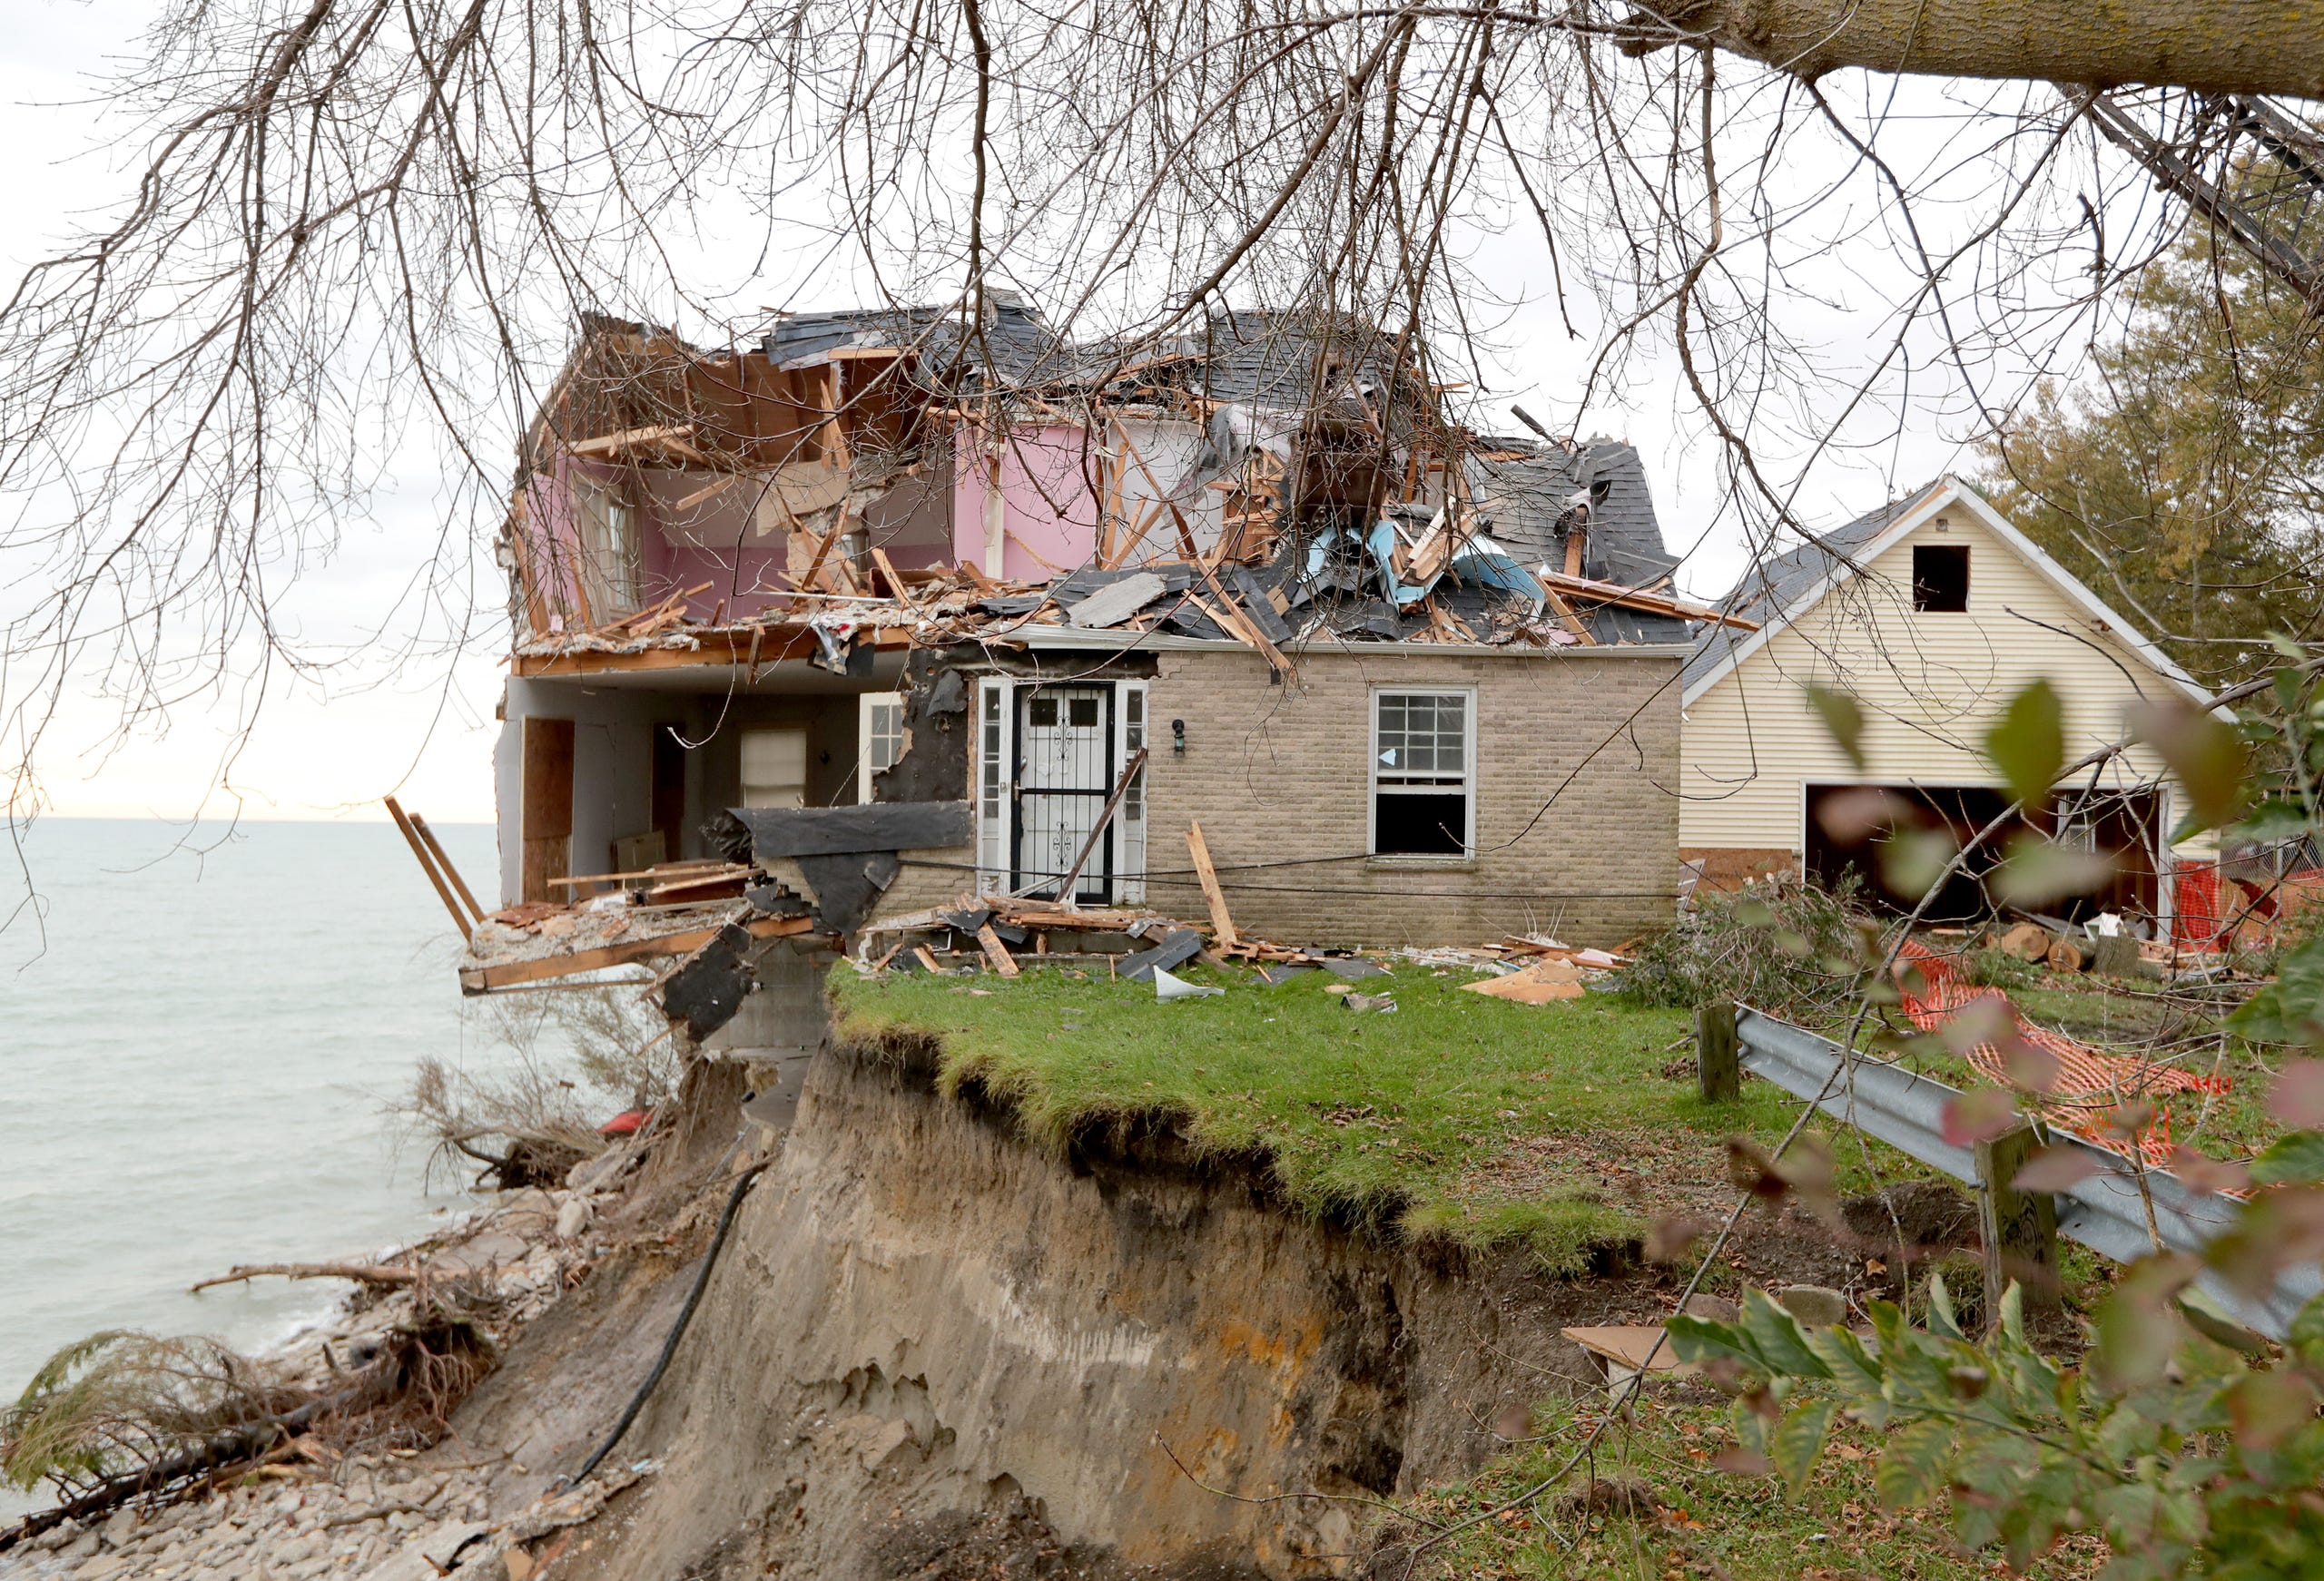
(325, 1478)
(2084, 1085)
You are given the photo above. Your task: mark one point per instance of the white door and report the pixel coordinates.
(1065, 771)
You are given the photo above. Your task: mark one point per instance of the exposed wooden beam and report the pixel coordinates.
(484, 979)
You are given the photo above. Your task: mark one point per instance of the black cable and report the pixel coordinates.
(678, 1329)
(1164, 879)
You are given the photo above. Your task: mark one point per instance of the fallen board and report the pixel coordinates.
(1626, 1346)
(1523, 990)
(484, 979)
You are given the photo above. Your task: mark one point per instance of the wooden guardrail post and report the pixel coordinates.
(2019, 1229)
(1717, 1053)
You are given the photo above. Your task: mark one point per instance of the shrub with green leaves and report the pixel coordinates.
(2193, 1446)
(120, 1400)
(1790, 948)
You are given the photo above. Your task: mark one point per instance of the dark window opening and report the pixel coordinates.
(1041, 712)
(1941, 578)
(1419, 824)
(1081, 712)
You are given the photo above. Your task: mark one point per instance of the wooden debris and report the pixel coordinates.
(1623, 1350)
(1222, 924)
(1073, 879)
(607, 444)
(1544, 981)
(927, 960)
(1614, 592)
(427, 866)
(997, 952)
(503, 973)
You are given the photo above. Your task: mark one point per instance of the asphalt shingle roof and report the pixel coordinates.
(1524, 501)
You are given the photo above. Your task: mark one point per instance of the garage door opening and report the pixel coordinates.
(2126, 825)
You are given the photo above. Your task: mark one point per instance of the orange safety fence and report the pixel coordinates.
(2088, 1083)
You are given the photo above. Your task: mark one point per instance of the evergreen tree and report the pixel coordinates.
(2182, 477)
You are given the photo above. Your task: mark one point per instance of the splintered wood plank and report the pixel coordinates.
(403, 822)
(927, 960)
(483, 980)
(997, 952)
(1222, 923)
(1565, 612)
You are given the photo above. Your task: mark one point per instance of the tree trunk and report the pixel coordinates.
(2238, 47)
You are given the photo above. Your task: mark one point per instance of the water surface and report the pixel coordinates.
(195, 1062)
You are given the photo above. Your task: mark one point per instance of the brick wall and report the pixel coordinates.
(1278, 773)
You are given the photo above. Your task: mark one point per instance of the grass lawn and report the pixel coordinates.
(1706, 1523)
(1457, 1116)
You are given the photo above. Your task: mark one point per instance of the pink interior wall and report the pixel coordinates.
(1049, 505)
(552, 542)
(1050, 502)
(742, 577)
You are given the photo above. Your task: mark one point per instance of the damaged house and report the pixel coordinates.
(873, 616)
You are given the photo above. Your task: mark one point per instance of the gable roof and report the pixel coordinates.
(1524, 490)
(1784, 587)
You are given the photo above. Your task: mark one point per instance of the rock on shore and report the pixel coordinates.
(398, 1516)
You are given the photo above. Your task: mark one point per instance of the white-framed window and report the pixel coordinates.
(879, 738)
(774, 766)
(996, 714)
(605, 527)
(1130, 819)
(1423, 772)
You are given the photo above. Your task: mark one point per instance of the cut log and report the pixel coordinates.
(2065, 956)
(2028, 941)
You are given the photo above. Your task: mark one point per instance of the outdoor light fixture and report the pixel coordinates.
(1178, 736)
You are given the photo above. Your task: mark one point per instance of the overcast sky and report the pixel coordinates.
(421, 725)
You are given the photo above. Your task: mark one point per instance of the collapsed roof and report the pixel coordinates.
(1318, 492)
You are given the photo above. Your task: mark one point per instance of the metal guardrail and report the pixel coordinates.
(2104, 1213)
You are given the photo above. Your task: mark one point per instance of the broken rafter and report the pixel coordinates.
(427, 866)
(1634, 598)
(1232, 618)
(608, 443)
(1565, 613)
(1097, 829)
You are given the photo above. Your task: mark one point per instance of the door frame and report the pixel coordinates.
(1101, 860)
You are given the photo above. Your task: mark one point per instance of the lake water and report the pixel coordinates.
(195, 1064)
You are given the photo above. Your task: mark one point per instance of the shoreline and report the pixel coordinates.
(305, 1509)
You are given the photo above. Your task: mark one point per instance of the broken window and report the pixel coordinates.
(775, 767)
(1941, 578)
(1423, 747)
(606, 527)
(880, 739)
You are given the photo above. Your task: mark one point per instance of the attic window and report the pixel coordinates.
(1940, 578)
